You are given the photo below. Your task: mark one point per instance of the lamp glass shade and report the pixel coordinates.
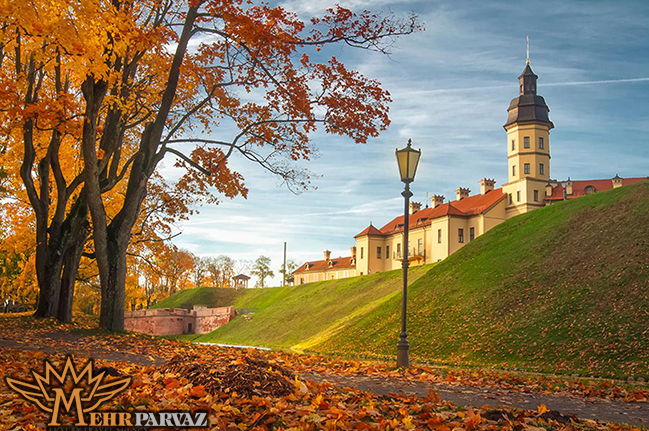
(408, 159)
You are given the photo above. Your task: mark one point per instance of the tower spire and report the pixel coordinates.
(528, 49)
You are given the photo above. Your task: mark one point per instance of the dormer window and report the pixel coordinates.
(589, 190)
(306, 266)
(331, 263)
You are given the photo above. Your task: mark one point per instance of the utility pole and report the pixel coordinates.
(284, 267)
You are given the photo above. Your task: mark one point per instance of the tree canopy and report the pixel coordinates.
(94, 94)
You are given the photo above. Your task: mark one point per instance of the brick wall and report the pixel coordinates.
(165, 321)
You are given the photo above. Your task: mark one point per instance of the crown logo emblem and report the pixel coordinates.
(68, 388)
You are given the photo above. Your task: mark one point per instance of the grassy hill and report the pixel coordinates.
(209, 296)
(563, 289)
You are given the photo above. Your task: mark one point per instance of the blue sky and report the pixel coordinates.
(451, 86)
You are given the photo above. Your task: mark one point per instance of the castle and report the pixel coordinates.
(442, 228)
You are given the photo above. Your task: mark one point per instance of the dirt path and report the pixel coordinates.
(583, 408)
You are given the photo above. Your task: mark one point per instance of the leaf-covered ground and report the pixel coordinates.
(252, 389)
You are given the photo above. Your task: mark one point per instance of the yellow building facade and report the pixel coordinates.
(442, 228)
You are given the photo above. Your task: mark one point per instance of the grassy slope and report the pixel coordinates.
(303, 316)
(562, 288)
(210, 296)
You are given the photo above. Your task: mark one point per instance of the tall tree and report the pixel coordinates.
(261, 269)
(122, 101)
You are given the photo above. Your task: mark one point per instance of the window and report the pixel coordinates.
(526, 168)
(420, 244)
(589, 190)
(536, 195)
(510, 199)
(399, 251)
(541, 144)
(439, 236)
(514, 171)
(518, 196)
(387, 252)
(471, 234)
(378, 252)
(541, 169)
(513, 145)
(460, 235)
(526, 142)
(361, 252)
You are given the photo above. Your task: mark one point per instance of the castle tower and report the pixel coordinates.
(528, 147)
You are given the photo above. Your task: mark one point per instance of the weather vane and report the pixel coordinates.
(528, 49)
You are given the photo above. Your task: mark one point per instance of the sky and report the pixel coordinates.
(451, 85)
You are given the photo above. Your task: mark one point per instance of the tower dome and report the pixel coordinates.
(528, 107)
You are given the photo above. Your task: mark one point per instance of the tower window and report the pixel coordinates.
(526, 142)
(471, 234)
(510, 199)
(361, 252)
(541, 144)
(541, 169)
(514, 171)
(460, 235)
(387, 252)
(513, 144)
(526, 168)
(518, 196)
(378, 252)
(536, 195)
(439, 236)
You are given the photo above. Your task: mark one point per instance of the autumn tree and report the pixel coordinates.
(261, 269)
(120, 96)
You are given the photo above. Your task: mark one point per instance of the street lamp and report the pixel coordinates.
(408, 159)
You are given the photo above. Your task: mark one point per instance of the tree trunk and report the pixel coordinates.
(113, 295)
(78, 227)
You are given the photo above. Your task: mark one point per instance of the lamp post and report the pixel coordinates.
(407, 159)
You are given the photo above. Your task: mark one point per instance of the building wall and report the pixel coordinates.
(164, 321)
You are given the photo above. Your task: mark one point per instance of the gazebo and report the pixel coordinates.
(241, 281)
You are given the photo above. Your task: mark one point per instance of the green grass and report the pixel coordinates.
(561, 289)
(209, 296)
(303, 316)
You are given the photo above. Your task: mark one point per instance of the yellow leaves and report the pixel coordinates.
(543, 409)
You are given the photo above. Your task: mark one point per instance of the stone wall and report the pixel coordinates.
(165, 321)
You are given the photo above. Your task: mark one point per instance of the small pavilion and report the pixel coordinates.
(241, 281)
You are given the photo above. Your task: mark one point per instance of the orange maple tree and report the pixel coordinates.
(96, 93)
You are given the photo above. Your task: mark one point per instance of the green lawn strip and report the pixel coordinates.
(300, 315)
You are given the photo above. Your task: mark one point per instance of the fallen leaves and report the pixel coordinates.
(256, 390)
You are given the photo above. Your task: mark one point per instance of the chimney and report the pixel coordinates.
(353, 251)
(486, 185)
(327, 255)
(437, 200)
(414, 207)
(462, 193)
(617, 181)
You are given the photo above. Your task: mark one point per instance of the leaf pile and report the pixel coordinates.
(245, 376)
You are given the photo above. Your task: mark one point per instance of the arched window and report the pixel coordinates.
(589, 190)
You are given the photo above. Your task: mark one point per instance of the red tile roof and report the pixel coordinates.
(579, 187)
(322, 265)
(471, 205)
(370, 230)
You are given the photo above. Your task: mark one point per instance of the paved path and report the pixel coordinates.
(584, 408)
